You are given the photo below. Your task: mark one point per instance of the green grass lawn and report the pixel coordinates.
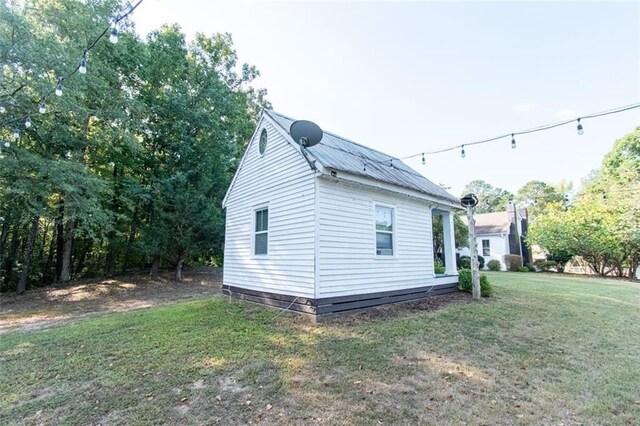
(545, 350)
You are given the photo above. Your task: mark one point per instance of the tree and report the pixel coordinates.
(490, 199)
(602, 224)
(131, 163)
(536, 195)
(461, 232)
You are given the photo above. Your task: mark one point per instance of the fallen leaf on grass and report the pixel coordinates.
(218, 398)
(269, 406)
(183, 399)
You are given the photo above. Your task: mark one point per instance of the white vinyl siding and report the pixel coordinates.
(281, 179)
(347, 261)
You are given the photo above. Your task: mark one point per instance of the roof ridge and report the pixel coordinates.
(339, 137)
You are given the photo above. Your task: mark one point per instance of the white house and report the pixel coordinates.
(331, 228)
(500, 233)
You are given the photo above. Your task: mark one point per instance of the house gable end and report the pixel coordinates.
(252, 149)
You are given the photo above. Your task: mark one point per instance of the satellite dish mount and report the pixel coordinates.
(306, 134)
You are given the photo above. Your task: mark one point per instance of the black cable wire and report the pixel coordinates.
(527, 131)
(75, 70)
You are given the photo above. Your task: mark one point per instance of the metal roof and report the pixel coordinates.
(338, 153)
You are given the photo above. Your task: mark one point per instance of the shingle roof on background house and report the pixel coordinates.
(491, 223)
(337, 153)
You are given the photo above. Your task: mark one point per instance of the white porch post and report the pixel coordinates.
(449, 244)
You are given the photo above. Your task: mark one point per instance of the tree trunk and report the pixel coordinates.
(46, 272)
(181, 258)
(3, 240)
(12, 253)
(132, 234)
(26, 263)
(473, 253)
(59, 240)
(155, 266)
(81, 259)
(65, 273)
(110, 262)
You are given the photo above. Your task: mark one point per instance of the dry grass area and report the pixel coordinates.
(51, 305)
(545, 350)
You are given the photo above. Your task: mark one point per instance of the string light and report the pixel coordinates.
(424, 161)
(59, 87)
(7, 144)
(82, 69)
(513, 141)
(531, 130)
(113, 37)
(462, 152)
(110, 30)
(27, 122)
(16, 134)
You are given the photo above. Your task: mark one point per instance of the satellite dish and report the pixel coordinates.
(469, 200)
(306, 133)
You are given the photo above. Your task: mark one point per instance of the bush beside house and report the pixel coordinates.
(464, 283)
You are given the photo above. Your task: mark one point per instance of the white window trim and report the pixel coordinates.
(394, 233)
(266, 145)
(488, 240)
(254, 211)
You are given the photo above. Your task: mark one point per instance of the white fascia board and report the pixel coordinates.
(387, 187)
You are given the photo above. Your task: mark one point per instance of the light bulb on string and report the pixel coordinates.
(16, 134)
(2, 109)
(462, 153)
(423, 160)
(82, 69)
(7, 144)
(59, 88)
(113, 37)
(513, 141)
(580, 129)
(27, 122)
(42, 108)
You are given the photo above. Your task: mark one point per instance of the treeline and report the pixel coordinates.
(602, 223)
(127, 169)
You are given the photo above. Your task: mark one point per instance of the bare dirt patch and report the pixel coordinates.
(399, 309)
(52, 305)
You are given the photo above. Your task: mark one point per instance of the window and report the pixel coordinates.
(486, 248)
(384, 231)
(262, 145)
(261, 240)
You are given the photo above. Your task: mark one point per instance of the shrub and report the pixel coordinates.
(465, 262)
(438, 267)
(523, 269)
(544, 264)
(513, 262)
(464, 283)
(494, 265)
(530, 267)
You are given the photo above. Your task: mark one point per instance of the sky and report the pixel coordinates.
(411, 77)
